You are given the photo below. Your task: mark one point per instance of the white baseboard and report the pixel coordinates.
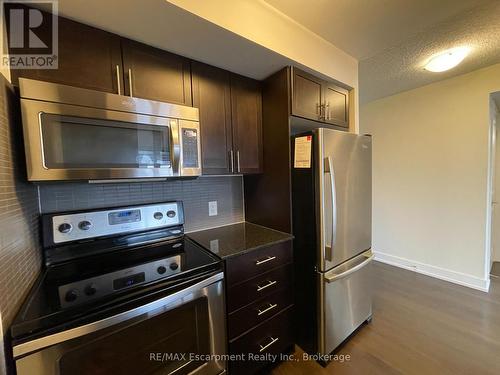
(433, 271)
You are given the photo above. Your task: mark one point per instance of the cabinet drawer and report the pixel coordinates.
(259, 287)
(244, 267)
(247, 317)
(274, 336)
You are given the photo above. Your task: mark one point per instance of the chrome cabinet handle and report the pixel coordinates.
(238, 160)
(231, 155)
(318, 109)
(271, 306)
(268, 259)
(118, 79)
(130, 81)
(327, 110)
(269, 283)
(273, 340)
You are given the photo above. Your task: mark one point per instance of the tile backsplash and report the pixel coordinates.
(195, 193)
(20, 256)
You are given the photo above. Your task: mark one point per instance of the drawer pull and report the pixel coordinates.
(268, 259)
(269, 308)
(273, 340)
(269, 283)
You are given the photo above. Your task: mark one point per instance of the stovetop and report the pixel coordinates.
(74, 292)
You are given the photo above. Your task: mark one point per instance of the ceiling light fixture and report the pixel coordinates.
(447, 59)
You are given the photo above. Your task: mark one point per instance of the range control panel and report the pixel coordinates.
(98, 223)
(86, 290)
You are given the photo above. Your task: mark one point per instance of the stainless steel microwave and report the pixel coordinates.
(78, 134)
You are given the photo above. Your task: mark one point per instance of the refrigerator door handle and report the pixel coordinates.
(329, 169)
(334, 277)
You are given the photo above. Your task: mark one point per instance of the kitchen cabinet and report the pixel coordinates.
(319, 100)
(306, 95)
(230, 120)
(154, 74)
(212, 95)
(246, 115)
(336, 105)
(230, 105)
(87, 57)
(259, 304)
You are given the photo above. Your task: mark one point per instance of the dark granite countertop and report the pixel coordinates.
(237, 239)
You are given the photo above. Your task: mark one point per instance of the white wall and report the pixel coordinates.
(430, 176)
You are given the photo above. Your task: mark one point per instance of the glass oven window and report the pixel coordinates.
(158, 345)
(72, 143)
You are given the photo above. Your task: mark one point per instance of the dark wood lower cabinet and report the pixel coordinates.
(264, 346)
(260, 327)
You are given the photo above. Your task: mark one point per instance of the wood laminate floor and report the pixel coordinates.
(420, 325)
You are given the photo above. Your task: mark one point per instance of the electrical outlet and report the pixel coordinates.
(212, 208)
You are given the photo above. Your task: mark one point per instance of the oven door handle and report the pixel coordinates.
(56, 338)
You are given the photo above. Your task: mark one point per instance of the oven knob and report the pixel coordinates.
(171, 213)
(161, 270)
(64, 228)
(90, 290)
(174, 266)
(158, 215)
(71, 295)
(85, 225)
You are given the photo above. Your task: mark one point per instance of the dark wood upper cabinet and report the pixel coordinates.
(246, 104)
(212, 95)
(306, 95)
(316, 99)
(336, 105)
(151, 73)
(87, 57)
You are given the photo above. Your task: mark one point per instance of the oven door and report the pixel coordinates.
(68, 142)
(177, 334)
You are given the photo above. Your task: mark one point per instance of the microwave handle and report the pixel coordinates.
(175, 147)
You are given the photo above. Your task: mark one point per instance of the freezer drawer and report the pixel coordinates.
(346, 300)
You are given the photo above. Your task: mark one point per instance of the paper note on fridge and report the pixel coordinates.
(302, 152)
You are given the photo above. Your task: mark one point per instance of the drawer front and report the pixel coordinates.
(257, 312)
(274, 336)
(246, 266)
(259, 287)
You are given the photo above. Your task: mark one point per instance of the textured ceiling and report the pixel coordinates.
(364, 28)
(393, 39)
(401, 68)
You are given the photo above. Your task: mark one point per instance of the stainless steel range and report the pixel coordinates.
(122, 292)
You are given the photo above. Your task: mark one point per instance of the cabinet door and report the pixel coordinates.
(246, 114)
(306, 95)
(151, 73)
(87, 58)
(212, 96)
(336, 105)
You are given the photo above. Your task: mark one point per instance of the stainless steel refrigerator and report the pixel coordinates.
(331, 201)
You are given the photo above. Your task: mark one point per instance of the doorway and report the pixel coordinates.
(493, 263)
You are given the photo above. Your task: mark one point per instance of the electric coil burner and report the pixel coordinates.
(123, 291)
